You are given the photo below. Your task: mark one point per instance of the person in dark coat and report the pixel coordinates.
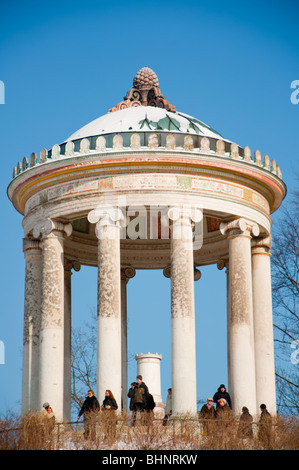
(150, 405)
(109, 402)
(223, 418)
(139, 396)
(108, 422)
(131, 394)
(222, 393)
(207, 415)
(265, 427)
(89, 410)
(245, 424)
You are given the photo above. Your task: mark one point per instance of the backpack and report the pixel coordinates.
(150, 402)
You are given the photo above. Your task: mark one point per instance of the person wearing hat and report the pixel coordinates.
(47, 411)
(48, 419)
(207, 414)
(223, 414)
(265, 427)
(222, 393)
(139, 397)
(141, 392)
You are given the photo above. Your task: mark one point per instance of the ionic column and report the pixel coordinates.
(68, 266)
(263, 323)
(109, 302)
(126, 273)
(182, 314)
(224, 263)
(32, 306)
(240, 321)
(51, 387)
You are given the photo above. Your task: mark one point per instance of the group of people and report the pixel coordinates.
(223, 413)
(91, 407)
(142, 402)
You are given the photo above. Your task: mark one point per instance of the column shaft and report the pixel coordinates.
(67, 343)
(124, 342)
(263, 325)
(127, 272)
(240, 321)
(183, 319)
(51, 386)
(32, 307)
(109, 314)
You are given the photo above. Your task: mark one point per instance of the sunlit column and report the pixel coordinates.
(184, 399)
(109, 302)
(240, 321)
(263, 323)
(32, 307)
(127, 272)
(51, 387)
(68, 266)
(223, 263)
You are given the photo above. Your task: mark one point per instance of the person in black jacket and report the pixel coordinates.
(89, 409)
(222, 393)
(109, 402)
(108, 420)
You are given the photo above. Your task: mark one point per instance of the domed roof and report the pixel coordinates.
(145, 119)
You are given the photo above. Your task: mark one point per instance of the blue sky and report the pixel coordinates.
(229, 64)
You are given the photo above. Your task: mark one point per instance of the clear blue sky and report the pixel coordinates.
(230, 64)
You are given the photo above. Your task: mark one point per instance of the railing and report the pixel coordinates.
(129, 142)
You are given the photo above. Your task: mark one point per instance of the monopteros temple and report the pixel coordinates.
(146, 187)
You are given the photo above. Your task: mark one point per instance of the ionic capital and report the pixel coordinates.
(185, 214)
(105, 217)
(262, 245)
(44, 228)
(167, 273)
(127, 273)
(31, 245)
(239, 227)
(222, 263)
(71, 264)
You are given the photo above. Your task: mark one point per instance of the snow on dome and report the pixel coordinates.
(145, 119)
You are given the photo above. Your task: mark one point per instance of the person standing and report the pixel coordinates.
(131, 394)
(109, 402)
(139, 397)
(108, 420)
(245, 424)
(141, 394)
(207, 414)
(89, 410)
(265, 427)
(223, 421)
(222, 393)
(168, 408)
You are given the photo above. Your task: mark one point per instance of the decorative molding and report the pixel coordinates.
(106, 144)
(145, 92)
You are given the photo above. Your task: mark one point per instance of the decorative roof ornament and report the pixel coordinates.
(145, 92)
